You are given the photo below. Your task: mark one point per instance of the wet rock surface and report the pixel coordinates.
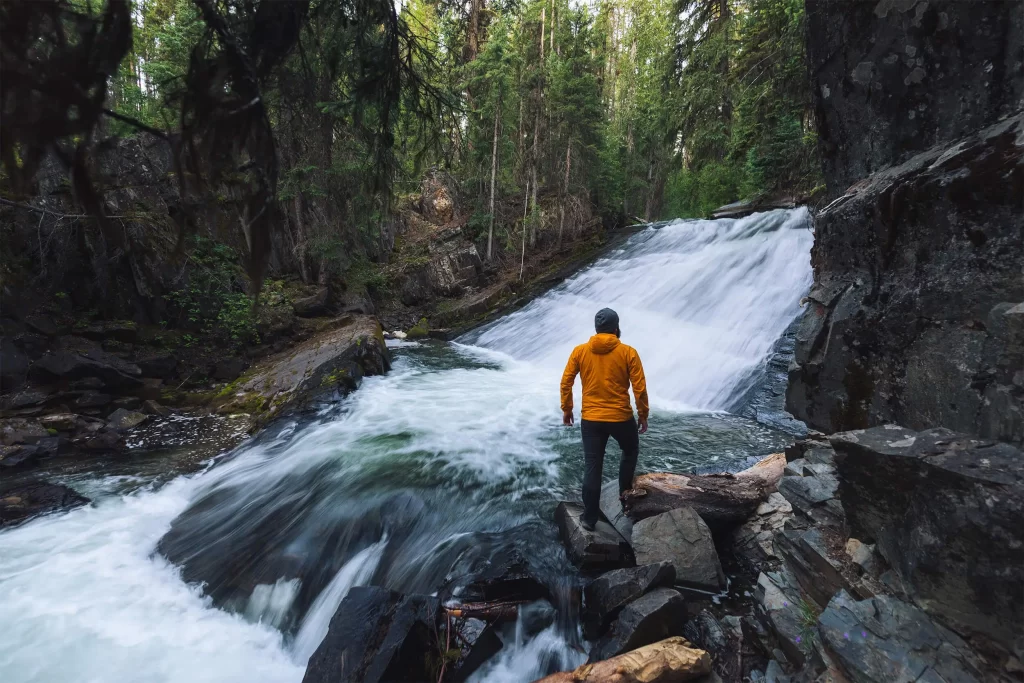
(681, 538)
(882, 640)
(602, 548)
(375, 636)
(947, 514)
(648, 619)
(19, 503)
(606, 595)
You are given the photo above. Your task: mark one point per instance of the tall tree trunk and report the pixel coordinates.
(551, 44)
(565, 189)
(473, 37)
(535, 156)
(494, 177)
(301, 239)
(526, 206)
(649, 205)
(724, 15)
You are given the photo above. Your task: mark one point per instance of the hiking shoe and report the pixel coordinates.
(589, 526)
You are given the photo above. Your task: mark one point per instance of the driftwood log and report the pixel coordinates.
(666, 661)
(722, 500)
(488, 611)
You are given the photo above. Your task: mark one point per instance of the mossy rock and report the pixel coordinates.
(419, 330)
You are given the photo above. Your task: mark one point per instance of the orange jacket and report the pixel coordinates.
(607, 367)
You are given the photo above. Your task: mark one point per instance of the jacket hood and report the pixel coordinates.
(603, 343)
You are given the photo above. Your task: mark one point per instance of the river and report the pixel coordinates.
(454, 457)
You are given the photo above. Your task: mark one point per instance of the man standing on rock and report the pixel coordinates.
(607, 368)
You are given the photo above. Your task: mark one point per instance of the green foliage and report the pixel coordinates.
(212, 302)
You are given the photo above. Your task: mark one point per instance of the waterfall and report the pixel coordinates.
(453, 458)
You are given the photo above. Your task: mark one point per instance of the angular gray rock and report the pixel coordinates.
(754, 540)
(605, 596)
(723, 640)
(313, 305)
(811, 486)
(781, 611)
(681, 538)
(602, 548)
(122, 419)
(882, 640)
(947, 513)
(611, 507)
(807, 556)
(377, 635)
(77, 360)
(648, 619)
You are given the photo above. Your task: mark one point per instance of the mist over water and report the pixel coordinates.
(453, 458)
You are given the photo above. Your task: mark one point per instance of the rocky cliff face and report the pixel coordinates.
(916, 314)
(892, 78)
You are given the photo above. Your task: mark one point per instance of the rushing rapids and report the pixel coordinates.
(454, 458)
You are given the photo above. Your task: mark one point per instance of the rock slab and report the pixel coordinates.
(377, 635)
(648, 619)
(332, 361)
(947, 513)
(681, 538)
(609, 593)
(20, 503)
(882, 639)
(602, 548)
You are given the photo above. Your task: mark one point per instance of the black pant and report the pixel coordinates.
(595, 439)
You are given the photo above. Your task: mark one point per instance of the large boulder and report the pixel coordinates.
(22, 502)
(882, 640)
(602, 548)
(487, 574)
(605, 596)
(681, 538)
(648, 619)
(330, 362)
(947, 513)
(312, 305)
(377, 636)
(81, 359)
(672, 660)
(915, 315)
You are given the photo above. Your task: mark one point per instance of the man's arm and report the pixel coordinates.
(572, 368)
(639, 383)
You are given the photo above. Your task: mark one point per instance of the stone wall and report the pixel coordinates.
(892, 78)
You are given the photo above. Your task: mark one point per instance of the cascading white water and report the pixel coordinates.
(703, 301)
(456, 451)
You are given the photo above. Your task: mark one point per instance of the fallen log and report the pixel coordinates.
(723, 501)
(488, 611)
(666, 661)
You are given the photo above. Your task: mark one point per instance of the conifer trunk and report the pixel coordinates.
(494, 176)
(565, 189)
